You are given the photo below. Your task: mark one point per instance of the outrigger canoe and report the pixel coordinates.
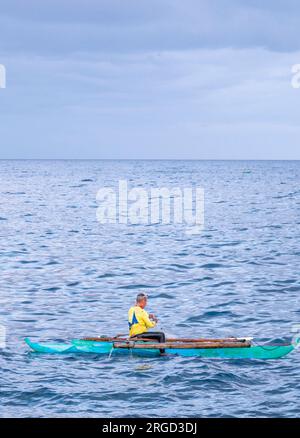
(229, 348)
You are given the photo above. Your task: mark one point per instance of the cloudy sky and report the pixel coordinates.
(194, 79)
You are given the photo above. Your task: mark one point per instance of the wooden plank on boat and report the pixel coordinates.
(186, 340)
(100, 339)
(206, 340)
(180, 345)
(103, 339)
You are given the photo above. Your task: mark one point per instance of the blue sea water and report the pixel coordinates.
(64, 275)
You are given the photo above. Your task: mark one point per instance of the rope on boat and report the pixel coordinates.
(263, 347)
(111, 352)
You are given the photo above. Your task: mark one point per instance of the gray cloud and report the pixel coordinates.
(184, 104)
(142, 25)
(149, 79)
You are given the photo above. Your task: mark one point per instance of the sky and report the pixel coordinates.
(159, 79)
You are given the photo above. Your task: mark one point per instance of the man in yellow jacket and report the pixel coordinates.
(140, 321)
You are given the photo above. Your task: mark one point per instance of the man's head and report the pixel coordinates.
(141, 300)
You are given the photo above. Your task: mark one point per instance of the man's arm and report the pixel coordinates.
(147, 321)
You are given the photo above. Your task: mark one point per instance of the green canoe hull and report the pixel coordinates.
(80, 346)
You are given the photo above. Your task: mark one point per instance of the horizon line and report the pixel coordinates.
(149, 159)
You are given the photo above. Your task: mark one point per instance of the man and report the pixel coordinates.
(140, 321)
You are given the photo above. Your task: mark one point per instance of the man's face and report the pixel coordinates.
(143, 303)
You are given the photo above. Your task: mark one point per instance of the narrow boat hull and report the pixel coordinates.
(82, 346)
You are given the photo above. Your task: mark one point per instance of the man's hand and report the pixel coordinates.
(153, 317)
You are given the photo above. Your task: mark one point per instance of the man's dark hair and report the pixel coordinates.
(141, 296)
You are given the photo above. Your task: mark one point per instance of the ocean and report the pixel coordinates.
(64, 275)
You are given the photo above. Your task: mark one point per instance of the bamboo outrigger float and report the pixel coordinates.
(228, 348)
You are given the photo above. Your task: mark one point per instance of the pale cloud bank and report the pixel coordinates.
(159, 79)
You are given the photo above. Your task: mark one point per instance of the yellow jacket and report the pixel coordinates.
(138, 320)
